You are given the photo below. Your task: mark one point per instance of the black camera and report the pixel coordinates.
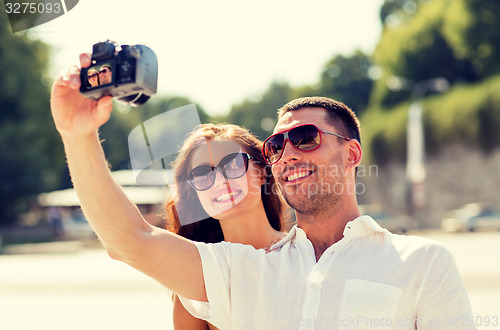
(128, 73)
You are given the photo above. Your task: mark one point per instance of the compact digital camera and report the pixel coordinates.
(128, 73)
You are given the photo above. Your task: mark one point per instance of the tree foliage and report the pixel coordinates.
(31, 158)
(418, 50)
(396, 12)
(455, 39)
(472, 27)
(347, 79)
(259, 115)
(467, 114)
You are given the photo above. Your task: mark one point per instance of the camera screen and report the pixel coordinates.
(99, 75)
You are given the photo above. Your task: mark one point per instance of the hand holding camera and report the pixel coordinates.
(73, 113)
(81, 99)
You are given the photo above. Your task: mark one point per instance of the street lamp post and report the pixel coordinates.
(415, 155)
(415, 164)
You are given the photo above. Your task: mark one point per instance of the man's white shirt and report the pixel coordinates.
(371, 279)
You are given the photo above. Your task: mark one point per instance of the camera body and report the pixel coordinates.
(128, 73)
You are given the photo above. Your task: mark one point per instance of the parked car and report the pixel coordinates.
(395, 223)
(471, 217)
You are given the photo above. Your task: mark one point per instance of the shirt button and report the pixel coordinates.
(314, 285)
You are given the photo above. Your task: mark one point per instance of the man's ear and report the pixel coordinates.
(355, 153)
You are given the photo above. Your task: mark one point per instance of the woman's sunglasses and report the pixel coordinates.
(232, 166)
(93, 75)
(304, 137)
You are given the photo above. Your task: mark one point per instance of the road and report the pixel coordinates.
(77, 291)
(478, 260)
(86, 290)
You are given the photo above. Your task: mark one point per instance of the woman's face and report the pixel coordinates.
(93, 77)
(227, 197)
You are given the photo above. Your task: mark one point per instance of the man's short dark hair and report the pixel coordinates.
(340, 115)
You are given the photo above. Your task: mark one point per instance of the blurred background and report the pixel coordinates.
(422, 75)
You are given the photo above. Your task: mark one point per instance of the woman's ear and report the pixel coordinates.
(263, 176)
(262, 180)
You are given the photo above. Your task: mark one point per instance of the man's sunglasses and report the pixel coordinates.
(232, 166)
(304, 137)
(93, 75)
(104, 71)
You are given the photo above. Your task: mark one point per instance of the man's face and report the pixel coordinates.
(311, 181)
(105, 75)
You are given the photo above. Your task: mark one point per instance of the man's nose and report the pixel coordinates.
(290, 153)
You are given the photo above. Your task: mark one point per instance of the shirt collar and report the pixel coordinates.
(361, 226)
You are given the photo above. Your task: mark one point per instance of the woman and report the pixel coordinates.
(221, 172)
(93, 77)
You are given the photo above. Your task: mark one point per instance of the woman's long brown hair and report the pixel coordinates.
(209, 229)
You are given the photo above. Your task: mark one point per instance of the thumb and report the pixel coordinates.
(103, 110)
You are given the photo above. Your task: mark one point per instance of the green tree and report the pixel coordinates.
(347, 79)
(472, 27)
(259, 115)
(396, 12)
(31, 159)
(418, 50)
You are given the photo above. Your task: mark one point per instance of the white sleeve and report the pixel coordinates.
(443, 302)
(215, 262)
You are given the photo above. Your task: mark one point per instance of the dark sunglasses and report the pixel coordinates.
(93, 75)
(304, 137)
(232, 166)
(104, 71)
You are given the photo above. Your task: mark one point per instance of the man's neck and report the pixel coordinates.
(326, 229)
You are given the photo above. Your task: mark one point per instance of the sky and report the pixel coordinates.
(220, 52)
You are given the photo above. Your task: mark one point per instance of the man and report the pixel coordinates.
(335, 269)
(105, 74)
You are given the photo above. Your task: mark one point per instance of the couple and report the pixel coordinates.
(101, 77)
(334, 269)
